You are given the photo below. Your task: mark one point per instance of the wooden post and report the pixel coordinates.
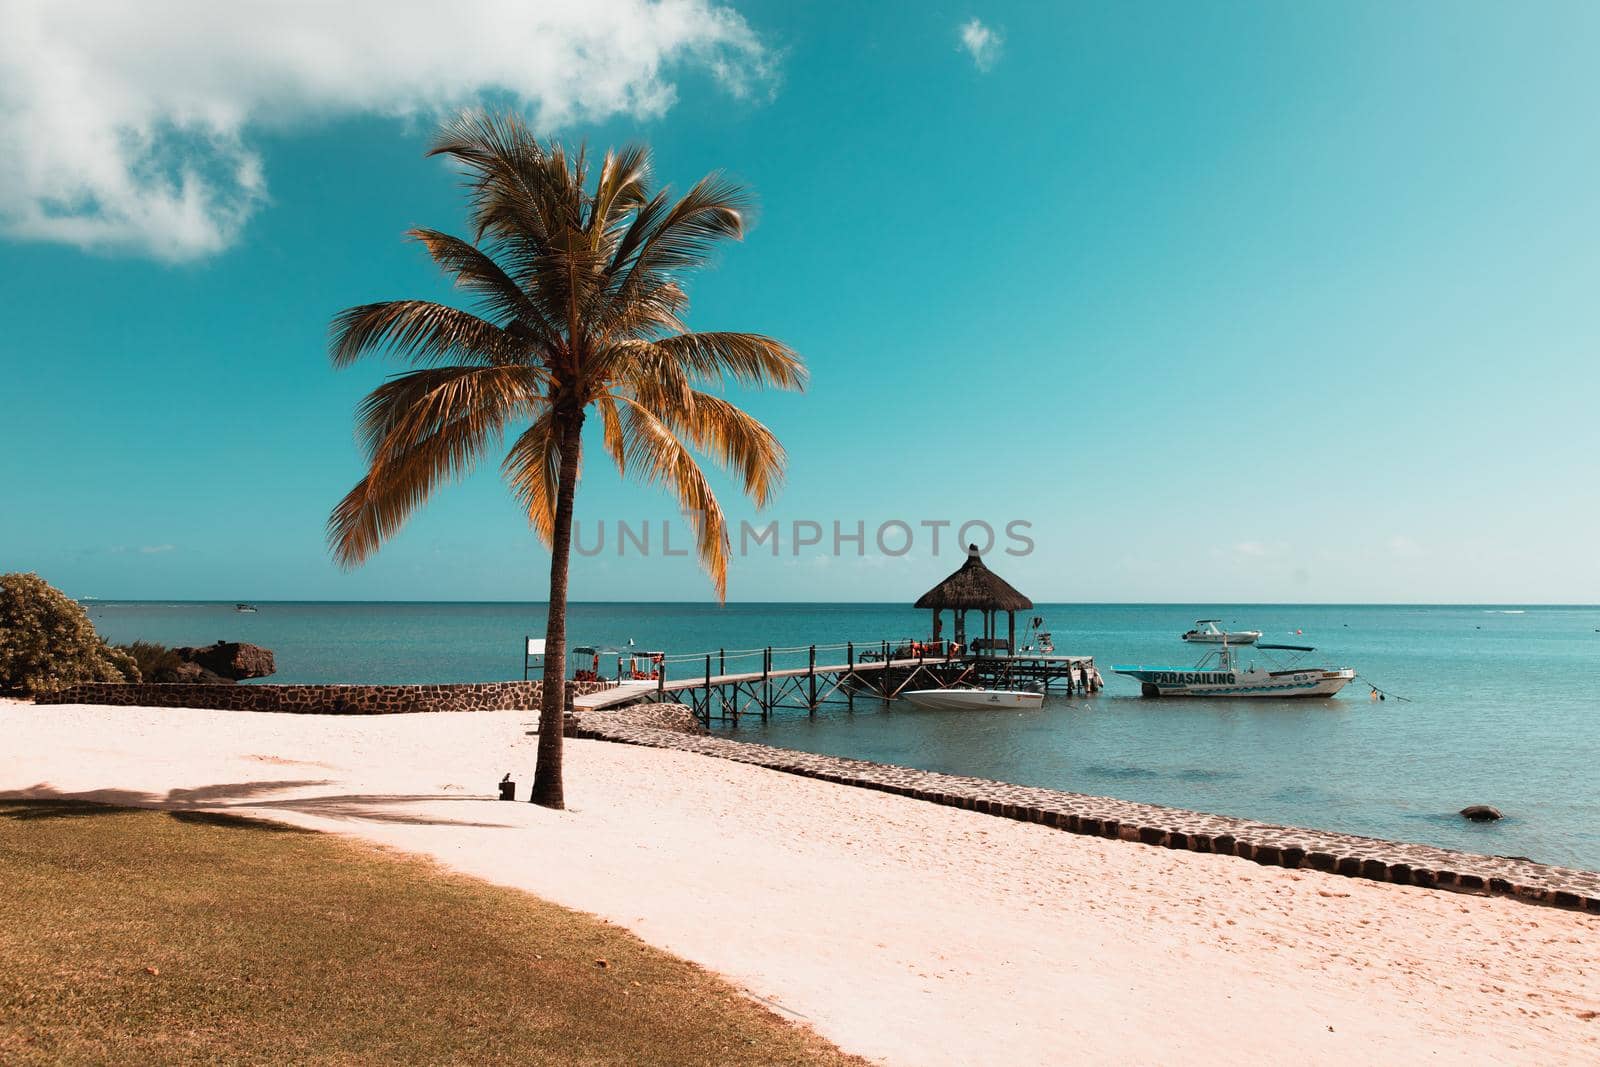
(883, 675)
(850, 674)
(766, 685)
(811, 680)
(661, 681)
(722, 661)
(708, 686)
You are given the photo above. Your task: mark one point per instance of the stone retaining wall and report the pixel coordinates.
(319, 699)
(1150, 824)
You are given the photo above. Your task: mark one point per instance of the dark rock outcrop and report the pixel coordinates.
(1481, 813)
(229, 661)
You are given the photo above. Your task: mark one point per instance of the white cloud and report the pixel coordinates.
(981, 42)
(129, 125)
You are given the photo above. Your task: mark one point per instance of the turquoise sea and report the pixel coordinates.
(1503, 709)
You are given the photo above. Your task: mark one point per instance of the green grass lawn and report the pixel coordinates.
(140, 936)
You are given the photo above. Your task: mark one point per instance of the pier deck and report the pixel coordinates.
(730, 696)
(629, 691)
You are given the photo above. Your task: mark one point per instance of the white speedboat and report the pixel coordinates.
(975, 699)
(1218, 675)
(1207, 632)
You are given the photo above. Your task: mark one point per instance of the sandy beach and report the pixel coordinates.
(907, 932)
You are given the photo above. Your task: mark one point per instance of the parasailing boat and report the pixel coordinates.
(1218, 675)
(1037, 639)
(1207, 632)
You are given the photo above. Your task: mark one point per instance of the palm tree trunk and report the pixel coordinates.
(547, 786)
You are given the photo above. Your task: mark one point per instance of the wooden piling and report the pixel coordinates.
(850, 674)
(811, 680)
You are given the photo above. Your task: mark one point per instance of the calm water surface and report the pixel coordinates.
(1504, 702)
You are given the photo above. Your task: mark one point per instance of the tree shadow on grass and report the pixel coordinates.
(44, 801)
(30, 810)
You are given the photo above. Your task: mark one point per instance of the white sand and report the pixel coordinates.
(904, 931)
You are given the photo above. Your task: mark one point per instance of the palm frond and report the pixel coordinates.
(478, 273)
(506, 172)
(421, 332)
(404, 411)
(646, 219)
(658, 456)
(423, 430)
(532, 469)
(651, 376)
(624, 179)
(611, 427)
(681, 237)
(736, 440)
(749, 358)
(712, 211)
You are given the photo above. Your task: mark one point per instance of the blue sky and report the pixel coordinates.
(1236, 302)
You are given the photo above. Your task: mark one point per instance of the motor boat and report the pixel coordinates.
(1218, 675)
(975, 699)
(1207, 632)
(245, 609)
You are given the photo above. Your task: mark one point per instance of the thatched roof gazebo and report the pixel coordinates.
(974, 587)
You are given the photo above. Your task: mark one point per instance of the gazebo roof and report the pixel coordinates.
(974, 587)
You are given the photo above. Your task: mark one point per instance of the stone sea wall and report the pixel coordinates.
(1149, 824)
(319, 699)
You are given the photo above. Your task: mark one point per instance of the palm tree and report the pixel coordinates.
(577, 306)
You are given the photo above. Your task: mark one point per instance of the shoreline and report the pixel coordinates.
(1294, 847)
(902, 930)
(1271, 844)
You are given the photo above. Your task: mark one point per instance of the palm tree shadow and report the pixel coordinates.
(31, 809)
(237, 822)
(211, 803)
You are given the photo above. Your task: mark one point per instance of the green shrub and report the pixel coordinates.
(48, 643)
(157, 662)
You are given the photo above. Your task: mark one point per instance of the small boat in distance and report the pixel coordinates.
(1218, 675)
(1207, 632)
(975, 699)
(245, 608)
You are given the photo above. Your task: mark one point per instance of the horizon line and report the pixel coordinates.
(899, 603)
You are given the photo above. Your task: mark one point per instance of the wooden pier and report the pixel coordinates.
(874, 670)
(880, 673)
